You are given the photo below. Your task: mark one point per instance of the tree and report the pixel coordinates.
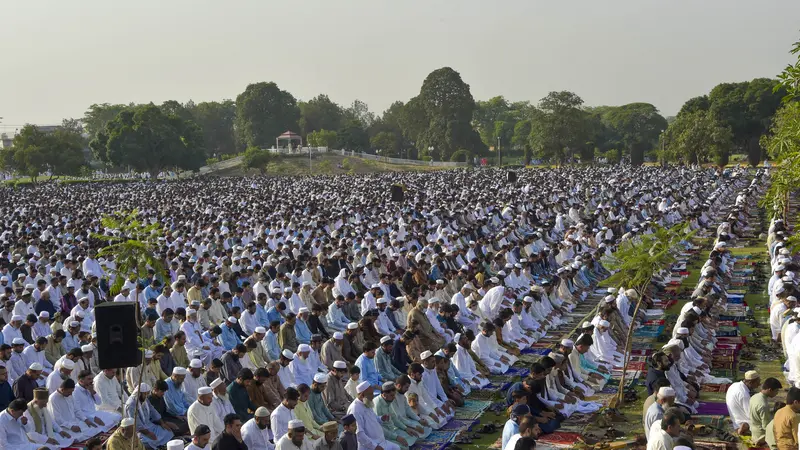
(175, 108)
(216, 120)
(148, 140)
(521, 138)
(320, 113)
(783, 145)
(256, 158)
(387, 142)
(34, 151)
(359, 111)
(264, 112)
(557, 129)
(697, 137)
(322, 138)
(790, 77)
(353, 137)
(700, 103)
(639, 125)
(95, 118)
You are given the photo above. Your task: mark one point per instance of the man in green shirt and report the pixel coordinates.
(393, 428)
(760, 411)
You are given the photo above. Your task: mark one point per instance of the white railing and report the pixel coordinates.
(409, 162)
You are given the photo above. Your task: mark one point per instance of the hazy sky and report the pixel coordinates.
(61, 56)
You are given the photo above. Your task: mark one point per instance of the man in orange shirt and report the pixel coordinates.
(786, 421)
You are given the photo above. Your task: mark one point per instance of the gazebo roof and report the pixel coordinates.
(290, 135)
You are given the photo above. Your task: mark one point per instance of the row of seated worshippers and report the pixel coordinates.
(682, 365)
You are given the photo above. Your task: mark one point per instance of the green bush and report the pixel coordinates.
(346, 164)
(211, 161)
(426, 158)
(461, 156)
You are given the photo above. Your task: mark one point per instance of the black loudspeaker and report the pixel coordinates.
(512, 177)
(397, 193)
(117, 335)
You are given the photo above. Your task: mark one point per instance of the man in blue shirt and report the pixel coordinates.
(276, 312)
(228, 337)
(177, 400)
(366, 362)
(512, 424)
(301, 329)
(153, 290)
(261, 311)
(271, 341)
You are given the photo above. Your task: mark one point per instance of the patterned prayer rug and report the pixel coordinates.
(458, 425)
(712, 409)
(561, 439)
(472, 409)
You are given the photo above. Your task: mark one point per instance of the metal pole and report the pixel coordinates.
(499, 155)
(309, 160)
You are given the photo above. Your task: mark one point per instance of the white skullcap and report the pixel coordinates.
(261, 330)
(382, 301)
(567, 343)
(611, 290)
(144, 388)
(231, 319)
(302, 310)
(321, 378)
(604, 323)
(338, 336)
(18, 341)
(36, 366)
(780, 267)
(295, 424)
(751, 375)
(339, 365)
(68, 364)
(148, 353)
(586, 325)
(352, 326)
(287, 354)
(666, 391)
(386, 339)
(196, 364)
(262, 412)
(696, 309)
(44, 314)
(425, 355)
(528, 299)
(176, 444)
(682, 330)
(205, 390)
(363, 386)
(17, 318)
(179, 371)
(87, 348)
(80, 314)
(214, 384)
(302, 348)
(433, 300)
(126, 422)
(609, 298)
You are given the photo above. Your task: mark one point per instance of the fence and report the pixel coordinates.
(409, 162)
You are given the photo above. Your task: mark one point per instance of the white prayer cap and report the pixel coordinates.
(468, 286)
(751, 375)
(205, 390)
(494, 280)
(780, 267)
(501, 273)
(611, 290)
(609, 298)
(87, 348)
(560, 270)
(665, 392)
(338, 336)
(44, 314)
(302, 310)
(36, 366)
(352, 326)
(191, 312)
(696, 309)
(148, 353)
(528, 299)
(375, 286)
(363, 386)
(80, 314)
(682, 330)
(457, 337)
(780, 290)
(604, 323)
(386, 339)
(68, 364)
(425, 355)
(179, 371)
(176, 444)
(433, 300)
(126, 422)
(196, 364)
(214, 384)
(295, 424)
(261, 330)
(287, 354)
(321, 378)
(567, 343)
(231, 319)
(381, 301)
(18, 341)
(303, 348)
(339, 365)
(17, 318)
(586, 325)
(262, 412)
(276, 290)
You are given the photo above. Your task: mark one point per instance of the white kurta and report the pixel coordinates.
(483, 348)
(12, 434)
(660, 441)
(199, 414)
(466, 367)
(369, 431)
(279, 420)
(255, 438)
(112, 397)
(66, 414)
(192, 384)
(88, 403)
(738, 400)
(49, 430)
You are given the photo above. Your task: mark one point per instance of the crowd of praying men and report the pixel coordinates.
(300, 313)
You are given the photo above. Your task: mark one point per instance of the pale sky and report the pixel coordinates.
(61, 56)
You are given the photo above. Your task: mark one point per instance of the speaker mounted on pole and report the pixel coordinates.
(397, 193)
(117, 335)
(511, 177)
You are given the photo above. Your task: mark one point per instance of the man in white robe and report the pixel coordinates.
(738, 400)
(12, 428)
(484, 348)
(282, 415)
(256, 433)
(203, 412)
(464, 362)
(431, 313)
(603, 347)
(109, 389)
(153, 431)
(41, 427)
(87, 401)
(427, 405)
(34, 353)
(61, 374)
(194, 380)
(67, 415)
(221, 402)
(369, 431)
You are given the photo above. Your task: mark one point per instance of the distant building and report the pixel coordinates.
(5, 141)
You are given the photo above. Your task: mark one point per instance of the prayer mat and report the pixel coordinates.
(648, 332)
(436, 440)
(723, 373)
(458, 425)
(485, 393)
(709, 421)
(609, 390)
(714, 387)
(534, 351)
(472, 409)
(636, 365)
(714, 445)
(561, 439)
(712, 409)
(517, 372)
(498, 444)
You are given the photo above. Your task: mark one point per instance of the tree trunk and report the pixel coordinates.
(154, 173)
(628, 343)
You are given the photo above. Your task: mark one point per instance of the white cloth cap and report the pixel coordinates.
(18, 341)
(87, 348)
(126, 422)
(302, 348)
(216, 383)
(425, 355)
(339, 365)
(68, 364)
(176, 444)
(666, 391)
(35, 366)
(261, 330)
(44, 314)
(144, 388)
(287, 354)
(567, 343)
(231, 319)
(179, 371)
(682, 330)
(302, 310)
(321, 378)
(604, 323)
(262, 412)
(196, 364)
(295, 424)
(205, 390)
(338, 336)
(609, 298)
(352, 326)
(386, 339)
(148, 353)
(363, 386)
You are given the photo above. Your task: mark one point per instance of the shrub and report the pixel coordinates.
(211, 161)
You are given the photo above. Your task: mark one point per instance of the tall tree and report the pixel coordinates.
(175, 108)
(387, 143)
(639, 125)
(264, 112)
(697, 137)
(700, 103)
(557, 129)
(320, 113)
(95, 118)
(148, 140)
(35, 151)
(216, 119)
(352, 136)
(323, 138)
(359, 111)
